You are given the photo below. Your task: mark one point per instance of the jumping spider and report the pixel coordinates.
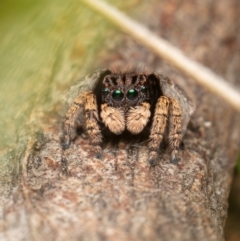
(127, 102)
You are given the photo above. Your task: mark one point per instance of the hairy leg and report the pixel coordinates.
(137, 118)
(86, 100)
(158, 127)
(175, 129)
(92, 118)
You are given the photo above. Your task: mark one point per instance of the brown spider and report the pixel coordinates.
(127, 102)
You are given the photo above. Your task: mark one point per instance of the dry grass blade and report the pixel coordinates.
(173, 55)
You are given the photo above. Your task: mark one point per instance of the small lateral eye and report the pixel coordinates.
(105, 91)
(132, 94)
(117, 95)
(144, 89)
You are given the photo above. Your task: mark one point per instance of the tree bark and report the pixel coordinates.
(71, 195)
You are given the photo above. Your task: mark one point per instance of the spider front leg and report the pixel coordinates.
(175, 129)
(158, 127)
(88, 101)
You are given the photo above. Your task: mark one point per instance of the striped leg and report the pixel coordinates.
(92, 118)
(175, 129)
(87, 100)
(158, 127)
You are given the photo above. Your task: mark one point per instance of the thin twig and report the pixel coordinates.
(173, 55)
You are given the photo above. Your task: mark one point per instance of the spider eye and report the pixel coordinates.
(132, 94)
(105, 92)
(117, 95)
(144, 89)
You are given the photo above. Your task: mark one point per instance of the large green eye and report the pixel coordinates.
(117, 95)
(144, 89)
(105, 92)
(132, 94)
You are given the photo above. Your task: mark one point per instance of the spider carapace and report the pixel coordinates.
(128, 101)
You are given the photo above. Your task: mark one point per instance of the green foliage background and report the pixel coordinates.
(41, 43)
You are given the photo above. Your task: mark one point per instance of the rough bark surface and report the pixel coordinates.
(71, 195)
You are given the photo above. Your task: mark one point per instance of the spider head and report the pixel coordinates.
(125, 90)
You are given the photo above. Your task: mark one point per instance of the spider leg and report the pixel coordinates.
(175, 128)
(158, 127)
(71, 122)
(86, 100)
(92, 118)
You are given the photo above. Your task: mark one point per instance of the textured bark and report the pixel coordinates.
(71, 195)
